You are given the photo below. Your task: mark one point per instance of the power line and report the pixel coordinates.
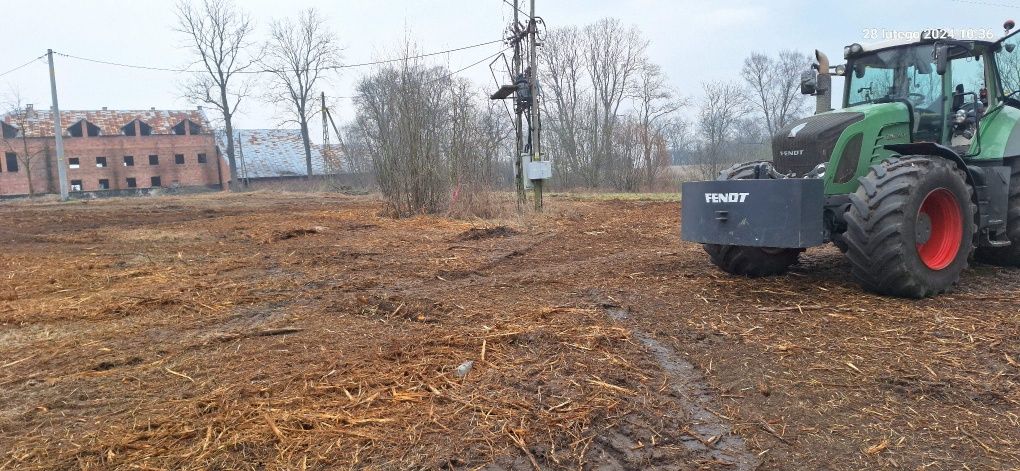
(990, 4)
(129, 66)
(518, 9)
(499, 41)
(261, 71)
(22, 66)
(451, 74)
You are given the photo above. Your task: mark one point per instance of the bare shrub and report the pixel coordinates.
(435, 143)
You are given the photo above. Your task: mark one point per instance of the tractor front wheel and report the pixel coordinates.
(910, 227)
(751, 261)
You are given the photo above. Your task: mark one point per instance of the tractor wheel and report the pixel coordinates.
(910, 227)
(1007, 256)
(751, 261)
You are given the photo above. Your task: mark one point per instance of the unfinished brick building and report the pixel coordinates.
(116, 152)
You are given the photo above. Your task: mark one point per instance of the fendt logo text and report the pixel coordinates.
(791, 153)
(726, 197)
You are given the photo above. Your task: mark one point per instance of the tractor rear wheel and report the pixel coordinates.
(910, 227)
(751, 261)
(1007, 256)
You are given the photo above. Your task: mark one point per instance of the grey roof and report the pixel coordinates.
(270, 153)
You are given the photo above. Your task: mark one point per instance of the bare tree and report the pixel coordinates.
(654, 103)
(723, 106)
(477, 141)
(299, 54)
(403, 110)
(589, 76)
(16, 139)
(614, 55)
(625, 160)
(563, 81)
(774, 84)
(355, 150)
(220, 35)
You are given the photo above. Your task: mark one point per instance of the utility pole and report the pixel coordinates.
(524, 89)
(58, 131)
(536, 113)
(327, 152)
(244, 168)
(519, 125)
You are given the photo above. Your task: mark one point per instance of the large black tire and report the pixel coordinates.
(1007, 256)
(751, 261)
(897, 249)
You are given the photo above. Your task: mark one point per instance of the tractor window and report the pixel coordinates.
(870, 85)
(901, 75)
(905, 74)
(968, 74)
(1007, 59)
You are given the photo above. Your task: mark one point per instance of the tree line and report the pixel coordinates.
(431, 141)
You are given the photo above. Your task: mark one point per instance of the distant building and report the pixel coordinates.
(110, 151)
(272, 154)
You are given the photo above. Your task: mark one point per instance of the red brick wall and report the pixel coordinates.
(114, 148)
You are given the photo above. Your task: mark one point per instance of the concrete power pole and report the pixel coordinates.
(58, 131)
(518, 64)
(536, 112)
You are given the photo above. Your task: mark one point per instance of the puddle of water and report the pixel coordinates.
(696, 397)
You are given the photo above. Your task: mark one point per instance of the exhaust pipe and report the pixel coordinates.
(823, 97)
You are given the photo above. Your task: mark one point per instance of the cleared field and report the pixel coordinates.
(282, 331)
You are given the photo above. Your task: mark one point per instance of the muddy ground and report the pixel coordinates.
(283, 331)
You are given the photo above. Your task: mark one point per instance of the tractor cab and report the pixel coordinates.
(946, 85)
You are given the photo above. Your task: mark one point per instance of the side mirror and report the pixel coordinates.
(942, 59)
(808, 82)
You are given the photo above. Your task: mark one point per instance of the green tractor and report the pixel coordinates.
(916, 175)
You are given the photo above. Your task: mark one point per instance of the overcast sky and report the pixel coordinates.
(695, 41)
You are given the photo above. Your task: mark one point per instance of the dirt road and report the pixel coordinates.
(282, 331)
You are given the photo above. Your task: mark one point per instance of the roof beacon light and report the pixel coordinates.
(852, 50)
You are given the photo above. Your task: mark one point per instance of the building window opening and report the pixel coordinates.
(101, 162)
(202, 158)
(76, 185)
(143, 129)
(155, 182)
(183, 127)
(132, 183)
(104, 184)
(179, 159)
(74, 162)
(129, 161)
(12, 161)
(10, 132)
(83, 127)
(153, 160)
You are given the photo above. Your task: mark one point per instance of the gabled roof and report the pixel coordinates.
(271, 153)
(110, 122)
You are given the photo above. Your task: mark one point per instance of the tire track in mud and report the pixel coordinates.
(716, 438)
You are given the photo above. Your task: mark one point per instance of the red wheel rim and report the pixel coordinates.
(943, 245)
